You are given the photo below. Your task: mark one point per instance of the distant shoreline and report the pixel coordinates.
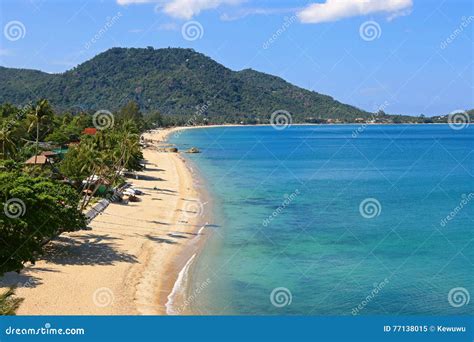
(168, 131)
(175, 129)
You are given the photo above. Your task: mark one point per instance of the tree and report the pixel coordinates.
(131, 111)
(104, 156)
(34, 211)
(155, 120)
(58, 137)
(39, 114)
(7, 141)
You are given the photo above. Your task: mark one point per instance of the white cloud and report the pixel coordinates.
(6, 52)
(333, 10)
(244, 12)
(186, 9)
(183, 9)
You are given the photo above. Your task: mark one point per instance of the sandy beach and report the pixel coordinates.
(129, 260)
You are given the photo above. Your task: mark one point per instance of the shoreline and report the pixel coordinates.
(176, 299)
(173, 294)
(179, 128)
(129, 260)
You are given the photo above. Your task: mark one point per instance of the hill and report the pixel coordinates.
(173, 81)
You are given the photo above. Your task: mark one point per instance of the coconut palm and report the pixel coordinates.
(39, 114)
(7, 142)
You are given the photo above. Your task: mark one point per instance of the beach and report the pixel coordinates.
(129, 260)
(278, 231)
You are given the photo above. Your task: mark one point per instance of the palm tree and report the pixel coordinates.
(7, 141)
(39, 114)
(90, 163)
(114, 150)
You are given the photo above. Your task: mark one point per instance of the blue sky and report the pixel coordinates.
(415, 56)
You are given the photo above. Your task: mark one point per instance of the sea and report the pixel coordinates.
(335, 220)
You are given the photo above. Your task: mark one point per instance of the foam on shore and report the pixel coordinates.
(179, 289)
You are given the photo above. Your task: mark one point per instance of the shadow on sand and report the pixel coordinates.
(160, 240)
(90, 249)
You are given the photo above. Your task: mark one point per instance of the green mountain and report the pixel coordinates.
(172, 81)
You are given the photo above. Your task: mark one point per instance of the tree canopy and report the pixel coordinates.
(35, 209)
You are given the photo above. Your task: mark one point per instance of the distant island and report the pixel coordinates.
(184, 85)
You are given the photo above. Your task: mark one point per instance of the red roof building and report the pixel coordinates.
(90, 131)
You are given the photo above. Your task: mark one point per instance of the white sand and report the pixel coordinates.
(129, 261)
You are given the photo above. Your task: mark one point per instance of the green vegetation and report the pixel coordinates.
(8, 303)
(39, 209)
(181, 84)
(47, 196)
(105, 155)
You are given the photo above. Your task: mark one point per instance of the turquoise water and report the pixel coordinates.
(288, 215)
